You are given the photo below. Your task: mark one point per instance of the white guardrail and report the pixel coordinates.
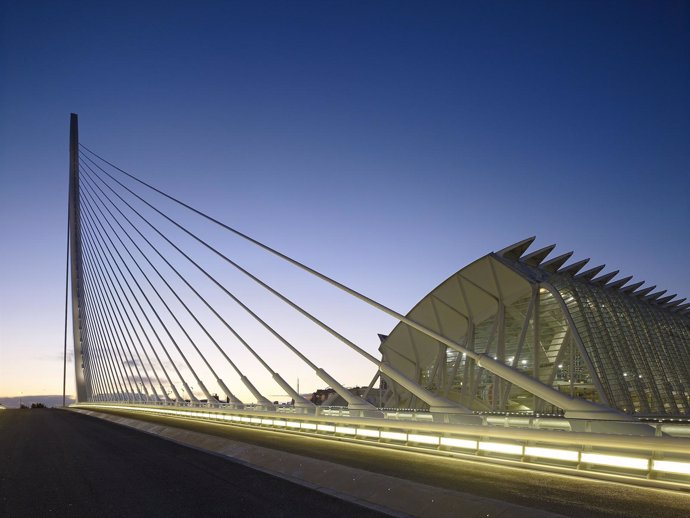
(639, 453)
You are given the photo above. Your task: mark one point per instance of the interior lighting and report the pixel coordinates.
(394, 436)
(500, 447)
(345, 430)
(615, 461)
(267, 421)
(551, 453)
(670, 466)
(325, 428)
(424, 439)
(364, 432)
(458, 443)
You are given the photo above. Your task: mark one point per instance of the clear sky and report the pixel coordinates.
(388, 144)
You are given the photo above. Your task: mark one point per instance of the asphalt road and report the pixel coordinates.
(567, 495)
(58, 463)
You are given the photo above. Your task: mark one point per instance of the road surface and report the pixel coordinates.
(59, 463)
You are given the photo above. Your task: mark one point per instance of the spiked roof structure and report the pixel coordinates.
(516, 251)
(586, 333)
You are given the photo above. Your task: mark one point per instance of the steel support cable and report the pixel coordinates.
(95, 341)
(113, 303)
(292, 261)
(353, 400)
(112, 339)
(208, 395)
(134, 330)
(90, 376)
(299, 400)
(261, 400)
(84, 349)
(225, 389)
(264, 285)
(150, 305)
(110, 350)
(146, 336)
(430, 398)
(105, 328)
(88, 340)
(101, 361)
(574, 406)
(87, 371)
(96, 368)
(93, 336)
(162, 388)
(109, 330)
(279, 380)
(113, 247)
(119, 321)
(95, 385)
(96, 287)
(178, 397)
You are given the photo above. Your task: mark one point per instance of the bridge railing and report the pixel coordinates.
(634, 454)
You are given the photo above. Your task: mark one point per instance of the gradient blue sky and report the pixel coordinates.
(385, 143)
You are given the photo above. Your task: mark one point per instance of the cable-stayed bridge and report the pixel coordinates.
(153, 334)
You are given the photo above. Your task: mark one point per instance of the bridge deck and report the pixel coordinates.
(61, 463)
(565, 495)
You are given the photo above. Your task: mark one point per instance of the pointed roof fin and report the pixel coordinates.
(606, 277)
(664, 300)
(644, 292)
(632, 287)
(554, 264)
(589, 274)
(574, 268)
(537, 257)
(676, 303)
(620, 282)
(514, 251)
(655, 296)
